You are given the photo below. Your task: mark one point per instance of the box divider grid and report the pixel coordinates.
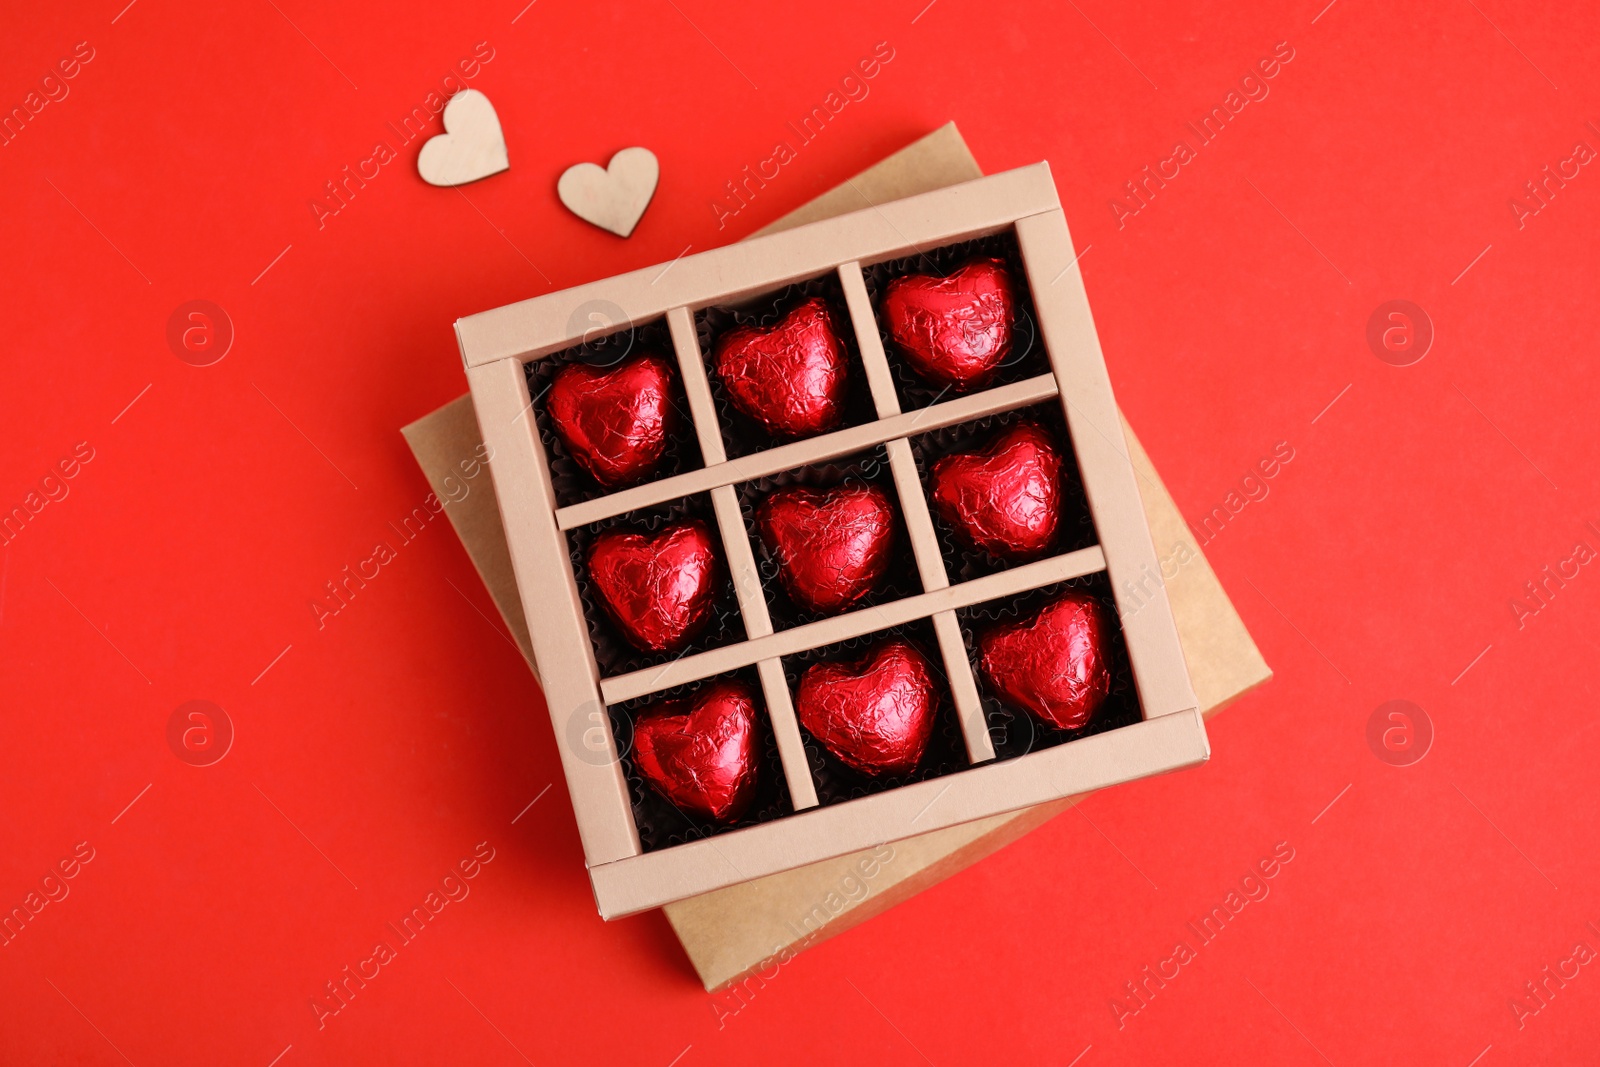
(539, 557)
(852, 624)
(811, 450)
(496, 344)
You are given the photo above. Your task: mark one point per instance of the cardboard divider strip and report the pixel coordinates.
(963, 688)
(539, 558)
(696, 388)
(1109, 482)
(811, 450)
(919, 523)
(859, 623)
(786, 731)
(741, 562)
(536, 327)
(868, 341)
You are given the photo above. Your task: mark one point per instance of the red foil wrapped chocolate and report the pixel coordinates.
(614, 421)
(876, 715)
(1006, 498)
(1055, 664)
(790, 377)
(832, 546)
(658, 590)
(954, 330)
(701, 754)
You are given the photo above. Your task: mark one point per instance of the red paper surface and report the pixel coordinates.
(373, 753)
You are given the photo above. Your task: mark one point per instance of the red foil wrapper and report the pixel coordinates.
(789, 377)
(614, 420)
(875, 715)
(955, 330)
(1054, 664)
(657, 590)
(701, 754)
(832, 546)
(1006, 498)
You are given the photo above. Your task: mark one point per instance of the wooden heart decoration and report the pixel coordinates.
(614, 198)
(471, 147)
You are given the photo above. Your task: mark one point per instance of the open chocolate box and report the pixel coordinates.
(984, 757)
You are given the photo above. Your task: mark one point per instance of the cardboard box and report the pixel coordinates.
(496, 346)
(731, 932)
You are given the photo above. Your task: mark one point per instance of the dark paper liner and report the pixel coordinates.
(572, 483)
(742, 435)
(1027, 358)
(612, 651)
(661, 823)
(871, 467)
(946, 753)
(1015, 731)
(962, 561)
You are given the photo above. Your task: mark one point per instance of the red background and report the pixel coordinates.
(379, 750)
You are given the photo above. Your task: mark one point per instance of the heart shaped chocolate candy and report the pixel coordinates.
(1006, 498)
(789, 377)
(832, 546)
(954, 330)
(876, 715)
(701, 754)
(1053, 664)
(614, 420)
(658, 590)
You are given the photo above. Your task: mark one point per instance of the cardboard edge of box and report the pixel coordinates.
(628, 877)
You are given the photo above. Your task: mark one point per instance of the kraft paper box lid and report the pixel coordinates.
(733, 931)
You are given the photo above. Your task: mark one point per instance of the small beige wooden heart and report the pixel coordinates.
(615, 198)
(471, 147)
